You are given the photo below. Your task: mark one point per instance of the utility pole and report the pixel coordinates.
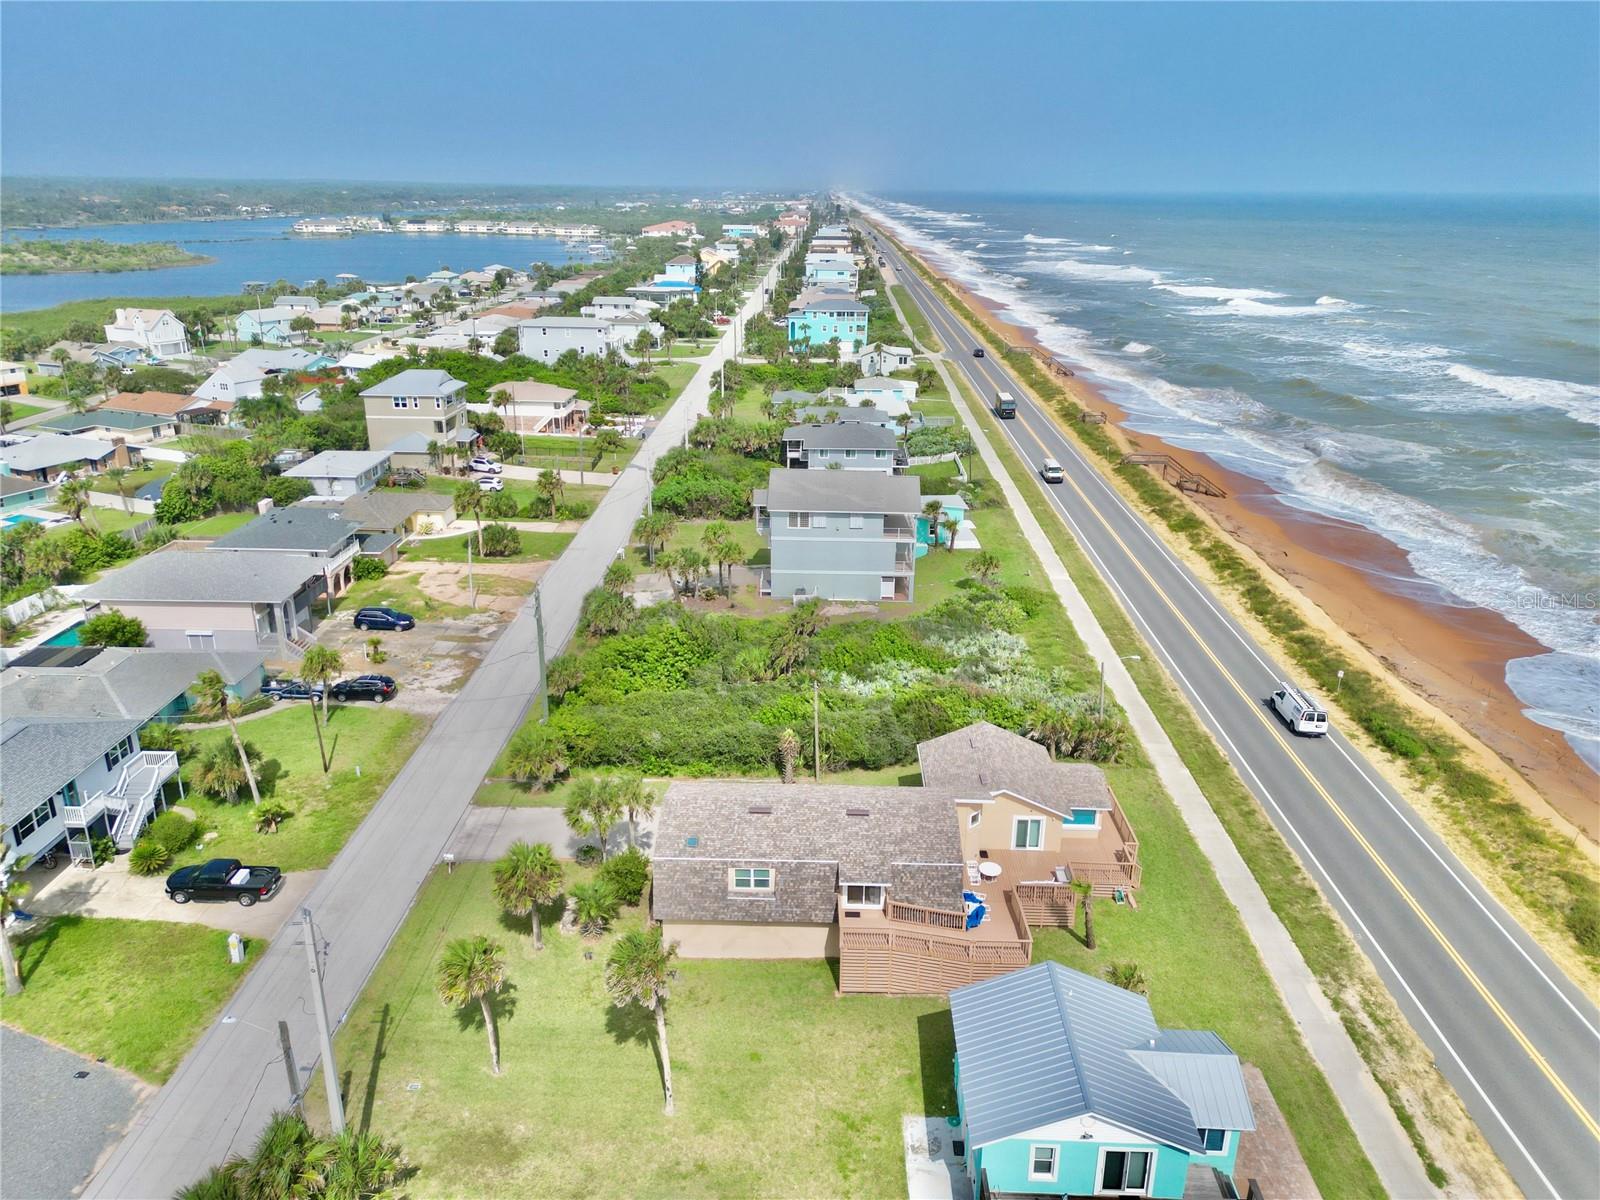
(816, 731)
(472, 590)
(330, 1071)
(538, 625)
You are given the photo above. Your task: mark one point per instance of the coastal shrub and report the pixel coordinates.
(178, 505)
(112, 628)
(1583, 922)
(572, 510)
(851, 646)
(148, 857)
(605, 611)
(284, 490)
(501, 541)
(89, 552)
(707, 484)
(537, 754)
(500, 505)
(102, 850)
(369, 568)
(627, 874)
(171, 830)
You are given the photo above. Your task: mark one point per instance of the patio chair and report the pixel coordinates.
(972, 871)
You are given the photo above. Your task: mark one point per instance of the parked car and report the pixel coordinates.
(378, 617)
(978, 352)
(223, 879)
(364, 687)
(290, 689)
(479, 462)
(491, 483)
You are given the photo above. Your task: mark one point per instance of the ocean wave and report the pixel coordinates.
(1035, 240)
(1255, 308)
(1194, 291)
(1580, 401)
(1137, 348)
(1074, 268)
(1389, 354)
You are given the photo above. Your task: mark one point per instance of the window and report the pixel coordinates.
(122, 750)
(25, 828)
(1215, 1141)
(752, 879)
(201, 641)
(849, 453)
(799, 520)
(857, 521)
(974, 819)
(819, 520)
(863, 895)
(1041, 1162)
(1124, 1170)
(1027, 833)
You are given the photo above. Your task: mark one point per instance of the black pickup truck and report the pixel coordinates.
(223, 879)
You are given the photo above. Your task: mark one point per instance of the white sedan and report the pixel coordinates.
(491, 483)
(480, 463)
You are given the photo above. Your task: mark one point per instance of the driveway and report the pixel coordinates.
(434, 660)
(61, 1113)
(110, 891)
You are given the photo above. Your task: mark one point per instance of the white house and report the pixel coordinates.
(893, 396)
(155, 330)
(878, 358)
(529, 406)
(342, 473)
(299, 303)
(617, 306)
(232, 381)
(545, 339)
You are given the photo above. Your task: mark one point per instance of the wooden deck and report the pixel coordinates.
(906, 950)
(1109, 859)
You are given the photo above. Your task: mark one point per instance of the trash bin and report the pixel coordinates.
(235, 948)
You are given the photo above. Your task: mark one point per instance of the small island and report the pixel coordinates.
(43, 257)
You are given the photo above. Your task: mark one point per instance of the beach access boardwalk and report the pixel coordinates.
(1518, 1040)
(263, 1052)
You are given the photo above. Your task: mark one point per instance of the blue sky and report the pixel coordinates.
(1063, 98)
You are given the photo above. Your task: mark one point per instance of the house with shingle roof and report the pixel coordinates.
(321, 535)
(1066, 1086)
(845, 535)
(844, 446)
(913, 889)
(156, 331)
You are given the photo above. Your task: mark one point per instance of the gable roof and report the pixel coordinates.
(982, 758)
(841, 491)
(386, 510)
(116, 683)
(162, 404)
(40, 755)
(339, 464)
(292, 528)
(850, 435)
(53, 450)
(531, 391)
(101, 418)
(1047, 1043)
(416, 381)
(285, 359)
(208, 576)
(906, 838)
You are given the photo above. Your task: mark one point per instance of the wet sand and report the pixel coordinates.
(1451, 654)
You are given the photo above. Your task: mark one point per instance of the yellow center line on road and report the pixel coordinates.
(1505, 1018)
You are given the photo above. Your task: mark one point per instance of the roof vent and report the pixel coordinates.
(691, 841)
(855, 812)
(760, 810)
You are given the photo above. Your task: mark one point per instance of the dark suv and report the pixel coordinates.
(364, 687)
(290, 689)
(384, 618)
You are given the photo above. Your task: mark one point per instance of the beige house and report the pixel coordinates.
(417, 401)
(529, 406)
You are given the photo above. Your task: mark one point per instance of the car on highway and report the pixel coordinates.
(1050, 471)
(290, 689)
(488, 466)
(491, 483)
(379, 617)
(223, 879)
(365, 687)
(1297, 711)
(978, 352)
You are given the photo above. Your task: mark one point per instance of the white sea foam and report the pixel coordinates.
(1580, 401)
(1036, 240)
(1075, 268)
(1137, 348)
(1243, 307)
(1194, 291)
(1392, 354)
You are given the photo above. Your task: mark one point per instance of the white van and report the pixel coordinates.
(1298, 712)
(1050, 471)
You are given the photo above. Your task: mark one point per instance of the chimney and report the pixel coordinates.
(264, 505)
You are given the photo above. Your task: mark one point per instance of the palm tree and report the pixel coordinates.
(11, 890)
(716, 539)
(1129, 976)
(550, 488)
(212, 690)
(469, 499)
(617, 577)
(1084, 890)
(473, 968)
(73, 496)
(119, 480)
(985, 567)
(606, 441)
(654, 531)
(593, 807)
(932, 510)
(951, 526)
(640, 972)
(536, 755)
(321, 665)
(595, 904)
(788, 753)
(526, 878)
(638, 801)
(8, 409)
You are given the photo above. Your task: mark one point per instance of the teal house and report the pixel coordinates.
(1066, 1086)
(820, 316)
(951, 507)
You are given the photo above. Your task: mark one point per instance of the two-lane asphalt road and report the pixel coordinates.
(1518, 1040)
(261, 1055)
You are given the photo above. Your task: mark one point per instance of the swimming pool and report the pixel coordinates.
(15, 519)
(67, 637)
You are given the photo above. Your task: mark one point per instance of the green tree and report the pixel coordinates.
(722, 548)
(8, 410)
(321, 666)
(473, 969)
(594, 805)
(215, 700)
(73, 497)
(1084, 890)
(220, 773)
(640, 972)
(527, 878)
(550, 489)
(932, 511)
(536, 755)
(618, 577)
(984, 566)
(119, 480)
(469, 500)
(1129, 976)
(653, 531)
(606, 441)
(951, 527)
(637, 800)
(505, 343)
(112, 628)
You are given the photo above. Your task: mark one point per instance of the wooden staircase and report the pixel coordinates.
(1175, 473)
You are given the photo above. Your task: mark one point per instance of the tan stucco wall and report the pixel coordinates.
(994, 831)
(719, 939)
(188, 616)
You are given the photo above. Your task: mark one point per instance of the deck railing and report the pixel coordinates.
(916, 914)
(1130, 841)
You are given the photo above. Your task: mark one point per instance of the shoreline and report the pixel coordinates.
(1453, 656)
(200, 260)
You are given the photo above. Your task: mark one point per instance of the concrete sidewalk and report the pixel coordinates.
(1363, 1101)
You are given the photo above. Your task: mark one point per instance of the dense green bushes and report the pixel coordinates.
(707, 484)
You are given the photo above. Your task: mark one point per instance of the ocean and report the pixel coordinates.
(1426, 368)
(265, 249)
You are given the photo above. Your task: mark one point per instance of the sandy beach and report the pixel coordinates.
(1452, 656)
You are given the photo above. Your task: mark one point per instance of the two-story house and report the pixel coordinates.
(844, 535)
(419, 401)
(684, 269)
(157, 331)
(545, 339)
(670, 229)
(528, 406)
(818, 317)
(320, 535)
(270, 326)
(1066, 1086)
(831, 271)
(843, 445)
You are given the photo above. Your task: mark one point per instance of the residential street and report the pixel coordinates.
(1518, 1040)
(234, 1078)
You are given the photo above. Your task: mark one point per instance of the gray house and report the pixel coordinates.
(841, 535)
(842, 446)
(321, 535)
(342, 473)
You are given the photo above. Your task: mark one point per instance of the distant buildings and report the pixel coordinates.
(270, 326)
(13, 380)
(676, 229)
(831, 271)
(546, 339)
(156, 331)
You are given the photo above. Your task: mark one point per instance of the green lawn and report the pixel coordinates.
(524, 492)
(689, 533)
(536, 547)
(21, 409)
(135, 479)
(137, 993)
(688, 350)
(764, 1055)
(369, 738)
(573, 454)
(677, 375)
(104, 520)
(219, 524)
(920, 329)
